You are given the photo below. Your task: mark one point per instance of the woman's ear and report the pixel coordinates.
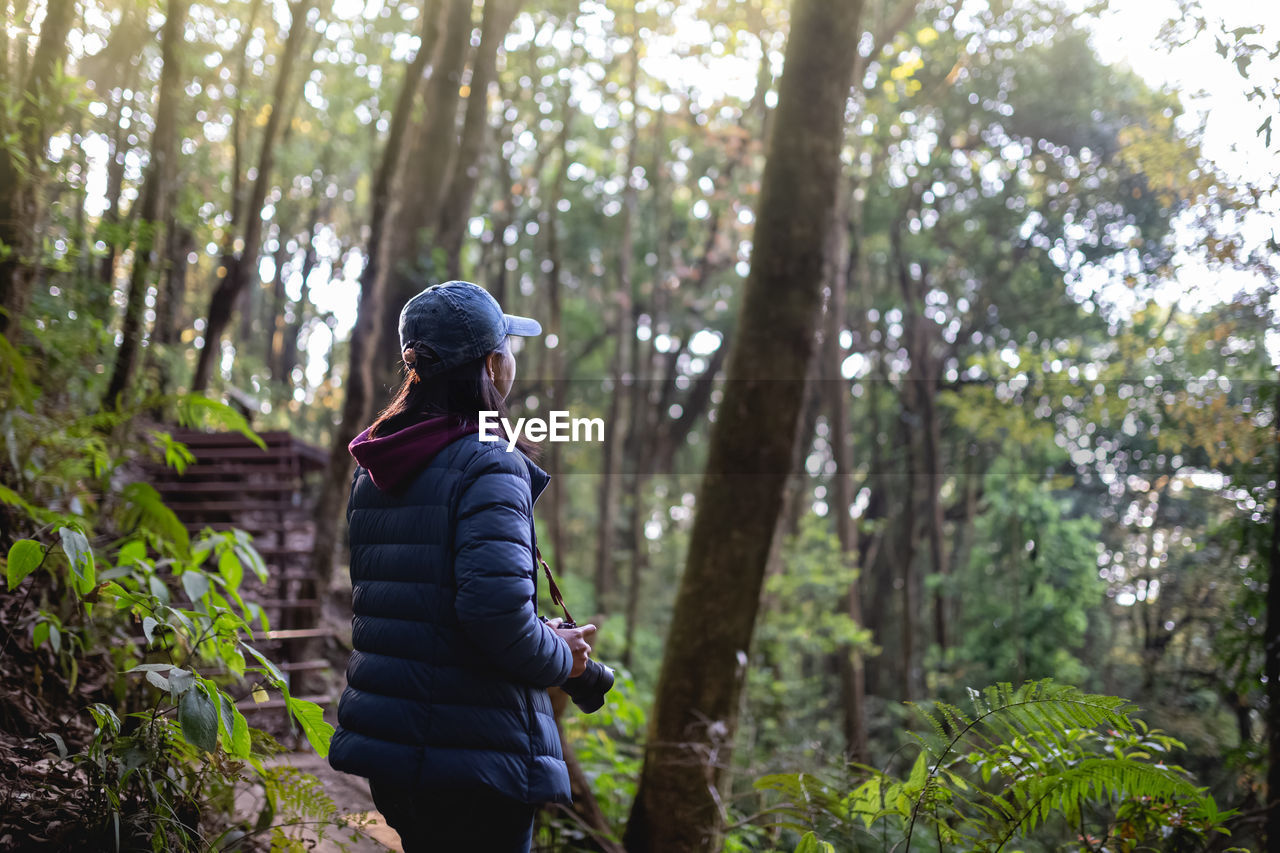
(491, 365)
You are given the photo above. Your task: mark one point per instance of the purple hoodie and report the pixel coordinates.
(393, 459)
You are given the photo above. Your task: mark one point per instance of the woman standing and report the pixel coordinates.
(446, 710)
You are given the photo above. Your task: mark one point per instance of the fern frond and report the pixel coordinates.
(1028, 802)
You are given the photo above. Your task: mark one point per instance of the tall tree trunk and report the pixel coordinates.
(179, 244)
(455, 207)
(913, 392)
(555, 328)
(366, 337)
(850, 666)
(677, 804)
(1271, 650)
(109, 226)
(279, 303)
(431, 149)
(21, 163)
(606, 575)
(242, 269)
(155, 190)
(931, 438)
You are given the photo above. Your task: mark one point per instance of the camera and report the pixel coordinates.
(587, 690)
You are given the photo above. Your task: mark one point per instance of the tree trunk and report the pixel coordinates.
(677, 805)
(109, 225)
(431, 150)
(626, 347)
(20, 208)
(366, 338)
(280, 327)
(850, 666)
(931, 437)
(455, 208)
(1271, 647)
(243, 268)
(555, 328)
(155, 190)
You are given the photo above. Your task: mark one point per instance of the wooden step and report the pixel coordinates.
(298, 634)
(235, 487)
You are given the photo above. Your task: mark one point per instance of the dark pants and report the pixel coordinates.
(478, 819)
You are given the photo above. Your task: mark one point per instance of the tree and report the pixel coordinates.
(164, 148)
(695, 708)
(22, 157)
(239, 268)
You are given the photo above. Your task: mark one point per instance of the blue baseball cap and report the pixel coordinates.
(459, 322)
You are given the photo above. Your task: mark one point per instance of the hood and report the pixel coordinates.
(392, 459)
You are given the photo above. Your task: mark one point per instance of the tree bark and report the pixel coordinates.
(155, 190)
(431, 149)
(20, 196)
(455, 208)
(555, 328)
(366, 337)
(606, 574)
(677, 805)
(241, 269)
(1271, 647)
(850, 666)
(912, 394)
(109, 225)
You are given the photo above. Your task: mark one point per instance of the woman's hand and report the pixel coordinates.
(579, 643)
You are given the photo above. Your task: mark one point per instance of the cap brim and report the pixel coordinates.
(522, 326)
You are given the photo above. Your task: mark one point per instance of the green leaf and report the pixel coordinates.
(266, 662)
(311, 717)
(145, 509)
(810, 844)
(149, 624)
(249, 554)
(230, 568)
(39, 634)
(195, 410)
(25, 556)
(80, 556)
(224, 713)
(133, 551)
(199, 720)
(58, 742)
(239, 735)
(919, 772)
(181, 681)
(196, 585)
(158, 589)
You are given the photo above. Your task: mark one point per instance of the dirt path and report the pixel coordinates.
(367, 834)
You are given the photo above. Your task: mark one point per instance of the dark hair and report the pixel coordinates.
(461, 392)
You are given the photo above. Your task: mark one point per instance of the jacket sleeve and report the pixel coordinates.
(493, 559)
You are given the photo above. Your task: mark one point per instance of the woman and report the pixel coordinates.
(446, 710)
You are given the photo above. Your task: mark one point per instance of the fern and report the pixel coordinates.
(195, 410)
(1004, 767)
(1038, 739)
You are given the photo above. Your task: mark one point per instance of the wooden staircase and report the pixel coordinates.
(268, 493)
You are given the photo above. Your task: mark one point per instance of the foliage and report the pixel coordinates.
(1018, 760)
(113, 572)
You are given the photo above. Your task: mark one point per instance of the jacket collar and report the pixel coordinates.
(538, 479)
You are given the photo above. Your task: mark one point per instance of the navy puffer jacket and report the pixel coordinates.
(447, 681)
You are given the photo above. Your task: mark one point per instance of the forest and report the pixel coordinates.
(934, 345)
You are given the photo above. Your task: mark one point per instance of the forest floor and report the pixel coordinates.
(368, 833)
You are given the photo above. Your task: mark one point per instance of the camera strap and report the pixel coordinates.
(556, 598)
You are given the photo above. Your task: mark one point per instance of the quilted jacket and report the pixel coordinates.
(447, 680)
